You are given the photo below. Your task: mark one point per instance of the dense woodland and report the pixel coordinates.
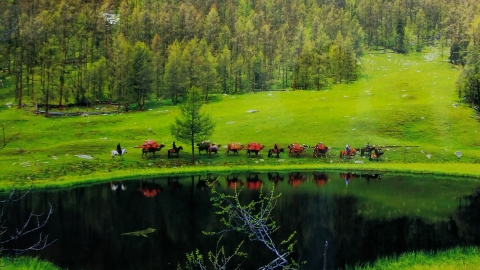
(82, 52)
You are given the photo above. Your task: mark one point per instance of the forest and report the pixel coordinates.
(127, 52)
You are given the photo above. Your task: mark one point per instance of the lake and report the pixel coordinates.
(362, 216)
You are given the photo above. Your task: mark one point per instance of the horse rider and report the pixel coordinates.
(347, 148)
(367, 147)
(119, 149)
(276, 148)
(174, 146)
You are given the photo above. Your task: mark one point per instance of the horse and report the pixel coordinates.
(320, 151)
(376, 154)
(366, 150)
(115, 153)
(343, 153)
(147, 150)
(276, 152)
(173, 151)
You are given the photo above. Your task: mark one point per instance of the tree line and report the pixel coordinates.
(130, 51)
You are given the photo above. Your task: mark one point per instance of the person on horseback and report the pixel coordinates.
(367, 147)
(347, 148)
(276, 148)
(174, 146)
(119, 149)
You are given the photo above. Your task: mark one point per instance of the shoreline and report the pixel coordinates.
(461, 170)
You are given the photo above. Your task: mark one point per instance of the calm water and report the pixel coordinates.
(361, 216)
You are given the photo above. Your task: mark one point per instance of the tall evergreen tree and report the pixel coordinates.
(174, 78)
(141, 75)
(192, 125)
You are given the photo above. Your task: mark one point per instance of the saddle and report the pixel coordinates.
(254, 146)
(234, 146)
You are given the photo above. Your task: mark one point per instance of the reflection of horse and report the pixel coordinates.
(369, 176)
(275, 152)
(117, 186)
(320, 178)
(253, 182)
(275, 177)
(209, 181)
(115, 153)
(234, 147)
(254, 148)
(344, 153)
(320, 150)
(295, 179)
(173, 183)
(295, 149)
(233, 181)
(376, 154)
(213, 149)
(175, 152)
(149, 190)
(348, 176)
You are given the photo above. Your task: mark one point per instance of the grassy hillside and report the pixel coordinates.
(405, 104)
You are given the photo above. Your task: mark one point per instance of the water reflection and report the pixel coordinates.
(375, 215)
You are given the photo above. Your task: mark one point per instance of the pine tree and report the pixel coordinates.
(192, 123)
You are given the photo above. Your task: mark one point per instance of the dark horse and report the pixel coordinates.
(203, 146)
(376, 154)
(365, 150)
(174, 151)
(275, 152)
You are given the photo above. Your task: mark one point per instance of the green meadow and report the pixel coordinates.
(406, 105)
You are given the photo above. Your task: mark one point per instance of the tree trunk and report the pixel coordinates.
(192, 141)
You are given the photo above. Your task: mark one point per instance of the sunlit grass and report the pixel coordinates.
(404, 104)
(26, 263)
(451, 259)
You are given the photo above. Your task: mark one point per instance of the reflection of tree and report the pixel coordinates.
(18, 237)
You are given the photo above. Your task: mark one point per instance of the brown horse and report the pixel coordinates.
(174, 151)
(344, 153)
(275, 152)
